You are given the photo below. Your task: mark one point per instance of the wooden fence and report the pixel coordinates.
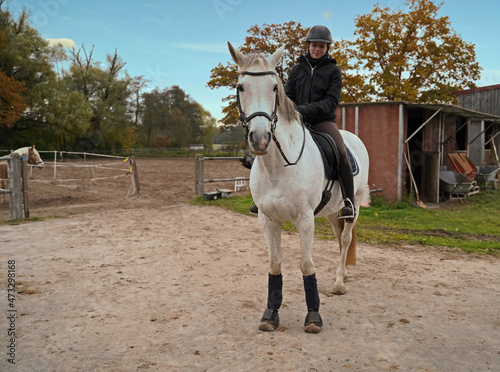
(199, 176)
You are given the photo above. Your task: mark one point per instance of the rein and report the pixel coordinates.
(273, 118)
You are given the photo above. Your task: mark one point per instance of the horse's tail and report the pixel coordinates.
(366, 200)
(351, 251)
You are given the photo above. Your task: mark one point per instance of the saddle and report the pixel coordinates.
(330, 155)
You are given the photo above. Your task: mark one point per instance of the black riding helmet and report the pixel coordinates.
(319, 33)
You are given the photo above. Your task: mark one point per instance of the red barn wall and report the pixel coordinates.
(378, 128)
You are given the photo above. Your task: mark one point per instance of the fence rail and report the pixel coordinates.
(199, 173)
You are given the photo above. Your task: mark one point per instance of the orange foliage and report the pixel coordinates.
(11, 100)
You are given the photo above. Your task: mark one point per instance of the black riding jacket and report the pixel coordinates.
(314, 86)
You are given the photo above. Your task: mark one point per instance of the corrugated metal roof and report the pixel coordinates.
(444, 107)
(475, 90)
(457, 110)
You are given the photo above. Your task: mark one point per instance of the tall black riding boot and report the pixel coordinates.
(347, 184)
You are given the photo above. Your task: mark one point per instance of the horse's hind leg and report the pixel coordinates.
(343, 231)
(272, 233)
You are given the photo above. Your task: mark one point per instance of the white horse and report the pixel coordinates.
(283, 190)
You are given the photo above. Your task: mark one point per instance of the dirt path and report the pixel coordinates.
(176, 287)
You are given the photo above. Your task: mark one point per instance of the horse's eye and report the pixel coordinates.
(275, 88)
(239, 88)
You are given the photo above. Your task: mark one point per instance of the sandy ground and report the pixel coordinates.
(153, 283)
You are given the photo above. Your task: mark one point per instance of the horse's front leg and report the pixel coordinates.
(272, 233)
(313, 322)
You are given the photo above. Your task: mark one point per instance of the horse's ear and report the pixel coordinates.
(273, 60)
(237, 56)
(33, 146)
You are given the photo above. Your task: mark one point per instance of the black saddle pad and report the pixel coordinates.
(329, 154)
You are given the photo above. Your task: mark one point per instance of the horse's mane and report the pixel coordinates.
(286, 108)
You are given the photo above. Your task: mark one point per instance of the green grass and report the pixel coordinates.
(472, 227)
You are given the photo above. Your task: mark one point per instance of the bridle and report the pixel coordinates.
(31, 156)
(273, 118)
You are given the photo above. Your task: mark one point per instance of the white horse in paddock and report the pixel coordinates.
(28, 152)
(285, 191)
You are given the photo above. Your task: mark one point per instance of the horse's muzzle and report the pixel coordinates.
(40, 165)
(259, 143)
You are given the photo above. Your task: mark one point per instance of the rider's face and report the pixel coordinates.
(317, 49)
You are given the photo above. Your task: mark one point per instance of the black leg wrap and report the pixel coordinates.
(311, 289)
(275, 292)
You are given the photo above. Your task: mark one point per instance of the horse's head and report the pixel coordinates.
(257, 96)
(34, 157)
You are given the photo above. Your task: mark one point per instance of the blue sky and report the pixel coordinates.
(179, 42)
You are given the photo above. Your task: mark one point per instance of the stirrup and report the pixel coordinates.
(253, 208)
(348, 212)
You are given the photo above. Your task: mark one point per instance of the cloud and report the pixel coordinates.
(65, 43)
(489, 77)
(210, 48)
(326, 15)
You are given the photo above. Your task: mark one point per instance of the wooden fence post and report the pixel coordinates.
(136, 175)
(199, 184)
(24, 179)
(16, 195)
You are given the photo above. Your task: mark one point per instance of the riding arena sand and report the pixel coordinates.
(132, 283)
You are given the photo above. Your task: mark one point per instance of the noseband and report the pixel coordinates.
(273, 118)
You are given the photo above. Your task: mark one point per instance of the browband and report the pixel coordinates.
(257, 73)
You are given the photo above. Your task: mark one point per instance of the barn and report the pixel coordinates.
(398, 134)
(484, 99)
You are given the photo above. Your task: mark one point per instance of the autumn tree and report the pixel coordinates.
(266, 40)
(414, 55)
(208, 127)
(106, 89)
(11, 100)
(48, 109)
(137, 85)
(355, 88)
(171, 118)
(11, 94)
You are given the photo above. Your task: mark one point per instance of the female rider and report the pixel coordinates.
(314, 85)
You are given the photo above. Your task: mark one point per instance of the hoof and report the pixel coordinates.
(313, 322)
(339, 290)
(269, 321)
(265, 326)
(312, 328)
